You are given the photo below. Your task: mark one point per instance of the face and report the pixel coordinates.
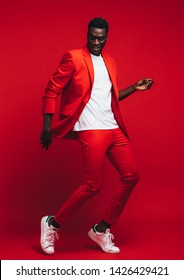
(96, 40)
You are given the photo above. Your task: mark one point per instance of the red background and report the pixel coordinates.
(146, 39)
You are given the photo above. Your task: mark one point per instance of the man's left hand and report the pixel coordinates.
(144, 84)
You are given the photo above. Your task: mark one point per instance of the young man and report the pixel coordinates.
(86, 79)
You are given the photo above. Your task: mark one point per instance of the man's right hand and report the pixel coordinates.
(46, 138)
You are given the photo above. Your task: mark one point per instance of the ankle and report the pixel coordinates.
(52, 222)
(102, 226)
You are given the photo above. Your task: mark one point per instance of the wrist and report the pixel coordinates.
(134, 87)
(45, 129)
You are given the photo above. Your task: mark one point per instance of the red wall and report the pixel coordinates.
(146, 39)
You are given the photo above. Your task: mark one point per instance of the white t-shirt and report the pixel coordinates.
(97, 113)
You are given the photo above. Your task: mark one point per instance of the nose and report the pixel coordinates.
(96, 42)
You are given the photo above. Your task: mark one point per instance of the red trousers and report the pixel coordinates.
(96, 145)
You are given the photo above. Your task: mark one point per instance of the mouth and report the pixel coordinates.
(95, 49)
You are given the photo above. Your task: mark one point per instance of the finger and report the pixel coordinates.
(149, 83)
(149, 86)
(45, 146)
(147, 80)
(150, 80)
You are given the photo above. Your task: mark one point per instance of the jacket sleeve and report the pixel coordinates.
(58, 82)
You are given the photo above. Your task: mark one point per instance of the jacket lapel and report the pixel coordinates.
(108, 63)
(111, 70)
(89, 63)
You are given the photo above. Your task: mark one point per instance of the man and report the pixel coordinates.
(86, 79)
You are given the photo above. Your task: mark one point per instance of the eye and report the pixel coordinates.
(91, 37)
(101, 39)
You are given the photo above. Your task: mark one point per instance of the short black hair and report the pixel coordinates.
(98, 23)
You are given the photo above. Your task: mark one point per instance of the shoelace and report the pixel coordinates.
(52, 236)
(108, 237)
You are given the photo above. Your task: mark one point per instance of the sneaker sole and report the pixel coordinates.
(96, 241)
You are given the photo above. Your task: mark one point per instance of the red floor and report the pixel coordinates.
(150, 228)
(145, 239)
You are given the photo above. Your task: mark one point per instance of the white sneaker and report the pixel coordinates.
(48, 236)
(104, 240)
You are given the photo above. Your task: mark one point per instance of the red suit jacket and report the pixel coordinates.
(73, 80)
